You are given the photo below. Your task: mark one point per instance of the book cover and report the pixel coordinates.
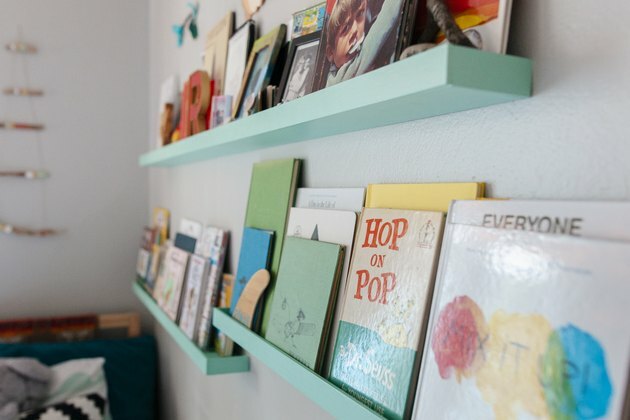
(351, 199)
(271, 196)
(573, 218)
(527, 325)
(170, 281)
(333, 226)
(190, 228)
(185, 242)
(430, 197)
(386, 305)
(194, 290)
(148, 238)
(219, 242)
(161, 221)
(143, 263)
(305, 298)
(255, 255)
(155, 261)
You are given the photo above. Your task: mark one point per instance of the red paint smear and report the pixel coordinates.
(459, 6)
(455, 338)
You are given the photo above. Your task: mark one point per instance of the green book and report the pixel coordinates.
(271, 196)
(305, 297)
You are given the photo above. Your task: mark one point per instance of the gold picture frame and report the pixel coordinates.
(260, 68)
(216, 51)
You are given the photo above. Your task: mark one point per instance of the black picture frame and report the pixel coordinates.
(239, 48)
(309, 43)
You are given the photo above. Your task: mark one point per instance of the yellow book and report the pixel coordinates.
(429, 197)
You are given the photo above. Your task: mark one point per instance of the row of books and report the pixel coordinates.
(503, 309)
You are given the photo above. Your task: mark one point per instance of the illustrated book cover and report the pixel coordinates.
(305, 298)
(333, 226)
(194, 290)
(218, 240)
(351, 199)
(271, 196)
(430, 197)
(161, 222)
(527, 324)
(168, 287)
(255, 255)
(387, 300)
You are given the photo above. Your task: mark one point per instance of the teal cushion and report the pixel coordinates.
(130, 369)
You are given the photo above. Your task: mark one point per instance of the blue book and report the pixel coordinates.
(255, 255)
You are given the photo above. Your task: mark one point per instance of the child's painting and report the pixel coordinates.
(359, 36)
(527, 326)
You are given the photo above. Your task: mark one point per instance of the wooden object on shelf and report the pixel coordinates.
(21, 47)
(246, 305)
(130, 321)
(318, 389)
(28, 174)
(20, 125)
(440, 81)
(251, 6)
(22, 91)
(210, 363)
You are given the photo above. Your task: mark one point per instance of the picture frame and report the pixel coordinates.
(259, 70)
(379, 37)
(299, 69)
(216, 51)
(239, 47)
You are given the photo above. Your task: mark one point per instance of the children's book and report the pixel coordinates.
(305, 298)
(190, 228)
(271, 196)
(333, 226)
(218, 238)
(386, 305)
(485, 22)
(143, 263)
(351, 199)
(194, 291)
(430, 197)
(170, 281)
(185, 242)
(157, 258)
(148, 238)
(527, 324)
(358, 38)
(161, 222)
(255, 255)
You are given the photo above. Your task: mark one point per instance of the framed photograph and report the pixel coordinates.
(359, 36)
(221, 110)
(259, 70)
(239, 46)
(216, 51)
(299, 70)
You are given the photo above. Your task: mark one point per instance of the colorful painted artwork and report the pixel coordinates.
(526, 325)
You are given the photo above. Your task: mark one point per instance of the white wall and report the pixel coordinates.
(571, 140)
(92, 65)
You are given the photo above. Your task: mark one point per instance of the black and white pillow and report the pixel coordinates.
(84, 407)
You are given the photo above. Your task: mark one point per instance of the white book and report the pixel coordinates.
(350, 199)
(526, 324)
(170, 281)
(190, 228)
(207, 240)
(194, 291)
(334, 226)
(590, 219)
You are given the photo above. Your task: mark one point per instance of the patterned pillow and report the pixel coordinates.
(84, 407)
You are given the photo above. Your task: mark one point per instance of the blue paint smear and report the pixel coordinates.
(586, 373)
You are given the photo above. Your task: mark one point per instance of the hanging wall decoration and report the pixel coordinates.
(251, 7)
(190, 22)
(20, 47)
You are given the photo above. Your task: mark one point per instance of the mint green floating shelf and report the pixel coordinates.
(210, 363)
(440, 81)
(328, 396)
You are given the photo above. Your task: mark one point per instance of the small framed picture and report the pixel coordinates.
(299, 70)
(221, 110)
(238, 52)
(259, 70)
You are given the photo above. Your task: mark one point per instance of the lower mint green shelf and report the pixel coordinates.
(318, 389)
(210, 363)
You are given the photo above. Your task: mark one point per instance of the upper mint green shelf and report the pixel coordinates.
(440, 81)
(210, 363)
(318, 389)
